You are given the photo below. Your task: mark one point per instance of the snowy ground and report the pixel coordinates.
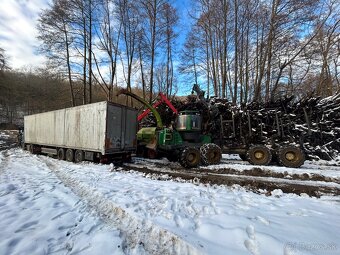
(8, 139)
(322, 167)
(54, 207)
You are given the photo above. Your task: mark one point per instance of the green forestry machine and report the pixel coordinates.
(184, 143)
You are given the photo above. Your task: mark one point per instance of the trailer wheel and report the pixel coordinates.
(190, 157)
(78, 156)
(211, 154)
(291, 156)
(259, 155)
(69, 155)
(61, 154)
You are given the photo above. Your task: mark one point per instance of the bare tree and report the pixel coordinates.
(3, 62)
(84, 17)
(153, 24)
(55, 34)
(127, 13)
(190, 55)
(109, 39)
(327, 46)
(170, 16)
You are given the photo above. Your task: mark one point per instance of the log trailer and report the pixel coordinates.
(235, 135)
(254, 148)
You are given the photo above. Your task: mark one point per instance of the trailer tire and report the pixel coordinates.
(211, 154)
(291, 156)
(78, 156)
(259, 155)
(70, 155)
(190, 157)
(61, 154)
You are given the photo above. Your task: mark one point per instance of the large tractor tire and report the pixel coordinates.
(190, 157)
(259, 155)
(290, 156)
(211, 154)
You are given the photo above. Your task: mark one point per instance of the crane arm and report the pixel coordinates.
(163, 99)
(149, 106)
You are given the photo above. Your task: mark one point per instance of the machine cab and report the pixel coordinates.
(189, 125)
(189, 121)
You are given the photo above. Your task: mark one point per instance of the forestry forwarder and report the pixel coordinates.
(185, 143)
(236, 136)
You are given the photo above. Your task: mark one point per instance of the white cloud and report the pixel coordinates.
(18, 21)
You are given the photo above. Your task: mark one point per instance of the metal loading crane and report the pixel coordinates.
(163, 99)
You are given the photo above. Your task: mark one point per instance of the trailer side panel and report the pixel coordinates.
(100, 127)
(85, 127)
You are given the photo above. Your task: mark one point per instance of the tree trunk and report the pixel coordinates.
(69, 66)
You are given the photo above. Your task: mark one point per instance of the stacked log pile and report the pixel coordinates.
(313, 123)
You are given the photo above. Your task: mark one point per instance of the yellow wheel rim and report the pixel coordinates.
(259, 155)
(290, 156)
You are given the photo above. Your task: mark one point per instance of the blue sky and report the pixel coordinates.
(18, 19)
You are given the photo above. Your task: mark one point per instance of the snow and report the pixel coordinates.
(3, 137)
(50, 206)
(322, 167)
(39, 215)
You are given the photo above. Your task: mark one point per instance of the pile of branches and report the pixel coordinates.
(313, 123)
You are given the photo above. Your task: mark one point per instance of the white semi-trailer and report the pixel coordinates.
(97, 132)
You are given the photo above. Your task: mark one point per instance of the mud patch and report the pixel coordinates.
(256, 171)
(256, 183)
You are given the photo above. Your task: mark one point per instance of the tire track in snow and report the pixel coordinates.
(3, 161)
(141, 236)
(254, 183)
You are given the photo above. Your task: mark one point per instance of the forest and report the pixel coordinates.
(242, 51)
